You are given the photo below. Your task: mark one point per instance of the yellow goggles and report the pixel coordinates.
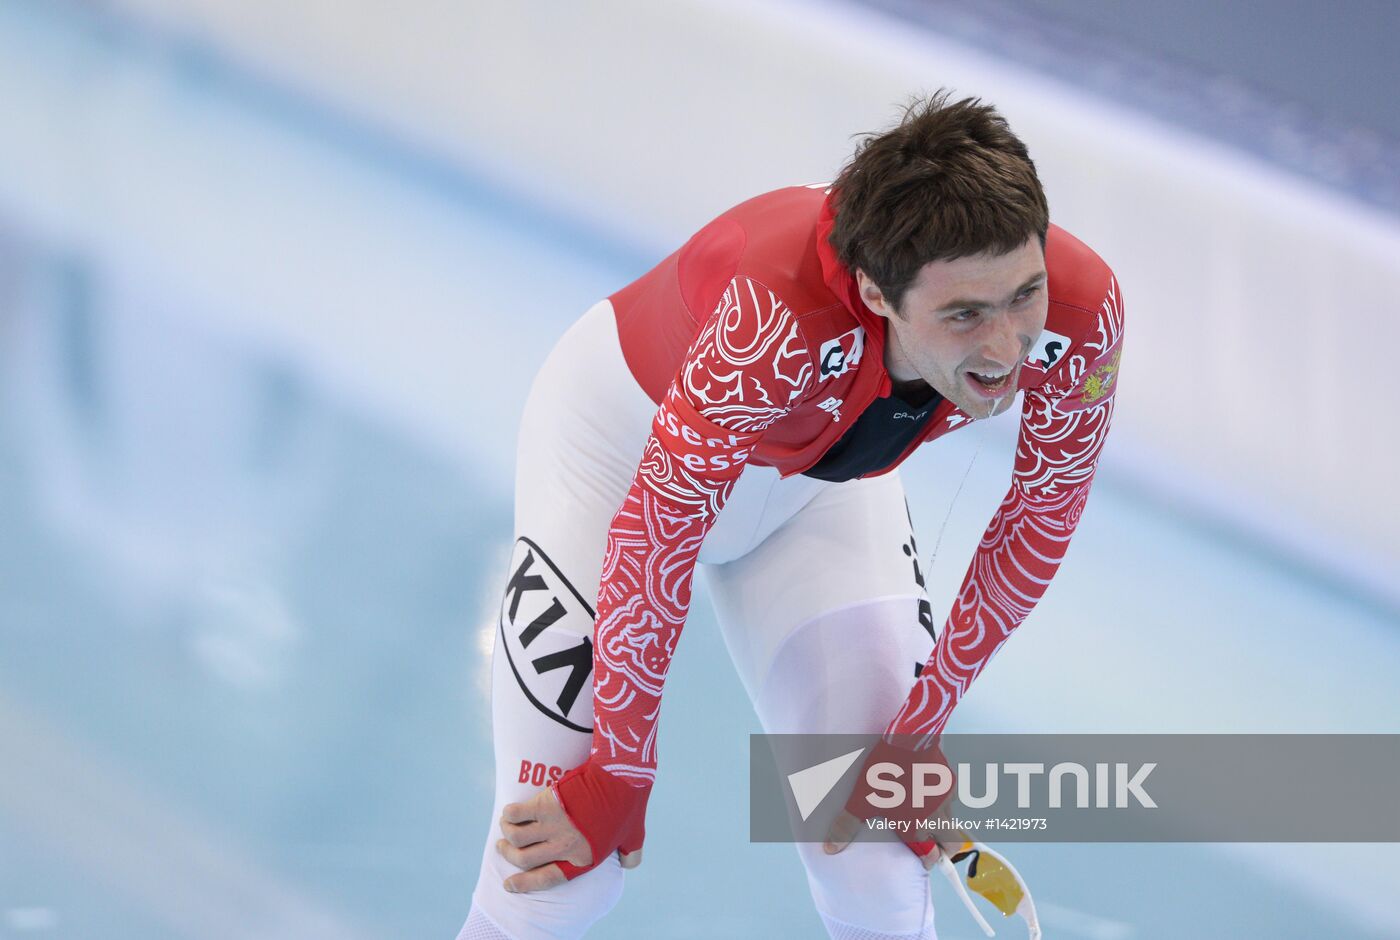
(990, 877)
(993, 877)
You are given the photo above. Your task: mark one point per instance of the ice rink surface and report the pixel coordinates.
(258, 387)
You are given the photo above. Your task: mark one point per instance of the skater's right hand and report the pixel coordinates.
(545, 838)
(536, 832)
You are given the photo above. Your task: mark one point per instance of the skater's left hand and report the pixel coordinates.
(921, 830)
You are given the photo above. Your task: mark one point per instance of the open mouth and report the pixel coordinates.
(990, 383)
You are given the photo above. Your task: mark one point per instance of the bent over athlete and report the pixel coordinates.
(745, 406)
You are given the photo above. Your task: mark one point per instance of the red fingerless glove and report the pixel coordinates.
(609, 812)
(858, 803)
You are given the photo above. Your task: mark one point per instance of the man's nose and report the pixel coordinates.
(1006, 345)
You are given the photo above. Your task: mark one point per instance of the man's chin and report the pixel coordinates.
(1003, 405)
(977, 407)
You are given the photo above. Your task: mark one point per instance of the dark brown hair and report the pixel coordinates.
(950, 180)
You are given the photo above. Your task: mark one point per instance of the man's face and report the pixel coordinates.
(965, 326)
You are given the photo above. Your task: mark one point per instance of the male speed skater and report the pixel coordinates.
(744, 408)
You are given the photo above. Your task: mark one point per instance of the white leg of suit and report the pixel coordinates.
(816, 592)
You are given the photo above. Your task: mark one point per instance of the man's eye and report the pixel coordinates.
(1026, 295)
(963, 316)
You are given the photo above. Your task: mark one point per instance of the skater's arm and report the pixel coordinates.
(1063, 428)
(747, 367)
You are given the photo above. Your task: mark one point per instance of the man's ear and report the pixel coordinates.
(872, 295)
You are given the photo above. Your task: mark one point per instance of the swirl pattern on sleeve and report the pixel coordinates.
(747, 367)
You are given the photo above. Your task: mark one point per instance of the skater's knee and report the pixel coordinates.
(563, 912)
(874, 889)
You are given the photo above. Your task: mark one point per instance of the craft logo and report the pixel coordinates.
(841, 354)
(546, 630)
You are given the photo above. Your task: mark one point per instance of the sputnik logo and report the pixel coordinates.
(810, 786)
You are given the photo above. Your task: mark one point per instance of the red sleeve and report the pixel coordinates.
(1063, 428)
(748, 366)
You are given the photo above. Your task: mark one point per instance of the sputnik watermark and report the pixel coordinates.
(1113, 787)
(1107, 786)
(1079, 788)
